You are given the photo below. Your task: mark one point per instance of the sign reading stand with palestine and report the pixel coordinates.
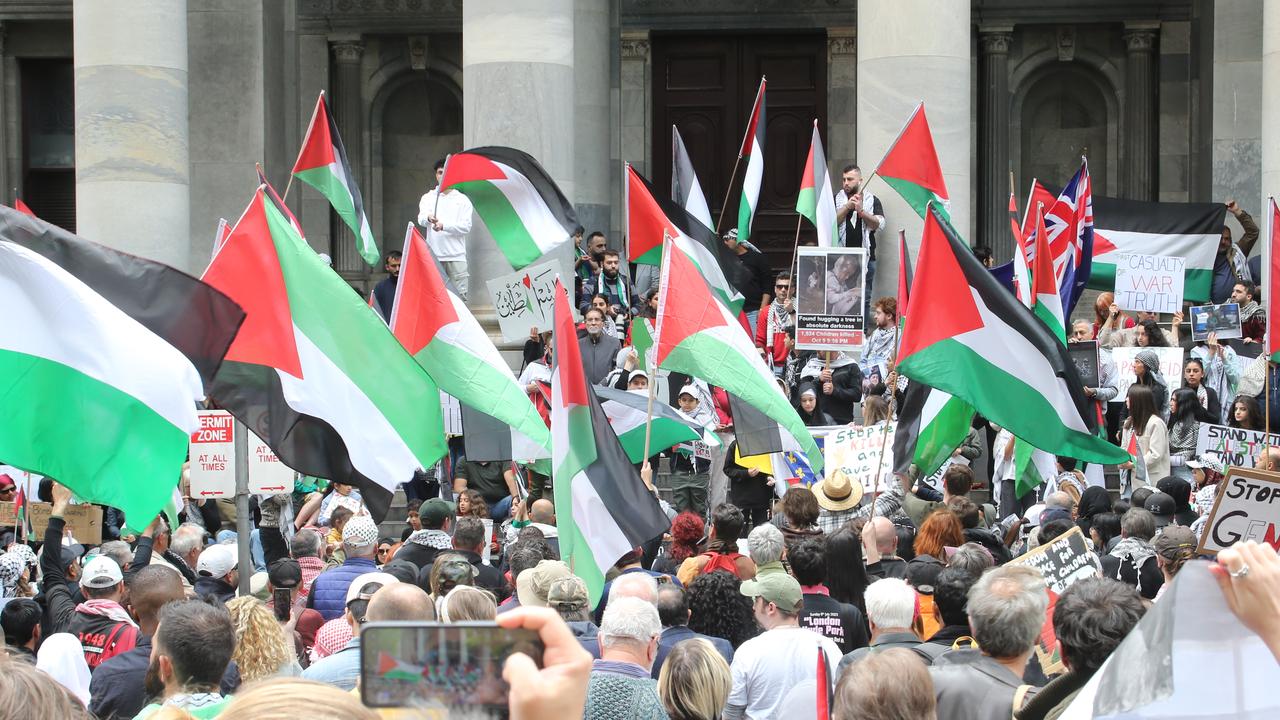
(1152, 283)
(1247, 508)
(1063, 562)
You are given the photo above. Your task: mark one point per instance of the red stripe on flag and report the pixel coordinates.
(940, 279)
(904, 274)
(749, 140)
(912, 156)
(685, 304)
(646, 223)
(1042, 277)
(22, 207)
(422, 303)
(317, 148)
(568, 358)
(469, 167)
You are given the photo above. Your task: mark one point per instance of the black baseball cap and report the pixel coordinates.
(284, 573)
(1161, 506)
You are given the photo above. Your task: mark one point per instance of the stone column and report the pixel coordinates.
(1237, 103)
(993, 142)
(6, 183)
(1270, 107)
(1139, 111)
(519, 91)
(132, 174)
(592, 161)
(636, 93)
(347, 106)
(908, 51)
(842, 99)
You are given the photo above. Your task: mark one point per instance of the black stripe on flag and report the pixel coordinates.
(632, 507)
(197, 319)
(1157, 218)
(756, 433)
(908, 432)
(526, 165)
(1001, 303)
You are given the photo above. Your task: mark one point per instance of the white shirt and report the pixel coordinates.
(768, 665)
(454, 213)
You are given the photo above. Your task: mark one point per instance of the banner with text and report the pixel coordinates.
(1235, 446)
(863, 454)
(829, 298)
(1247, 508)
(84, 522)
(1170, 367)
(524, 299)
(1152, 283)
(1063, 562)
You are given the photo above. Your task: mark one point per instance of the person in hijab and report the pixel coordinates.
(61, 657)
(1146, 369)
(1093, 502)
(809, 409)
(1180, 490)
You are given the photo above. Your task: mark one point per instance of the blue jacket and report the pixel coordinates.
(678, 633)
(329, 589)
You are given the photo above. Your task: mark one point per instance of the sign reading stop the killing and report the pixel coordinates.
(213, 456)
(267, 475)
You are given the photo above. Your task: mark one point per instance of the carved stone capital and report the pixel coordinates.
(1139, 41)
(348, 52)
(634, 48)
(846, 43)
(995, 43)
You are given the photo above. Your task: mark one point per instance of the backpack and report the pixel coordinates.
(122, 638)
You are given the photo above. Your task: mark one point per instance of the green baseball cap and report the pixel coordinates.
(778, 588)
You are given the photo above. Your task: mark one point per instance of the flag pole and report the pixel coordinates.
(653, 385)
(725, 205)
(893, 401)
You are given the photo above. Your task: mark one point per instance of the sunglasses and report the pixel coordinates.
(781, 287)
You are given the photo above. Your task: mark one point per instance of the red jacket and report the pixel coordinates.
(775, 344)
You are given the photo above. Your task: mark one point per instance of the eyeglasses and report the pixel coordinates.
(782, 287)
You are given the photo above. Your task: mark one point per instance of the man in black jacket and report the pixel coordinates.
(217, 572)
(422, 546)
(469, 539)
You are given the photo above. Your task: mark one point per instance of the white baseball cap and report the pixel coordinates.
(217, 561)
(353, 590)
(101, 572)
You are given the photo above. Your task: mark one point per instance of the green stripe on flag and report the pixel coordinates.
(338, 194)
(502, 221)
(132, 454)
(1196, 286)
(918, 197)
(807, 204)
(940, 435)
(483, 387)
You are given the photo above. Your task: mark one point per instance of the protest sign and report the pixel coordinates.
(524, 299)
(1223, 320)
(213, 456)
(1170, 367)
(829, 298)
(267, 475)
(1084, 355)
(1150, 282)
(1063, 562)
(863, 454)
(84, 522)
(1247, 508)
(1235, 446)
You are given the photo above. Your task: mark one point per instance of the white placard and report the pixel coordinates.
(267, 475)
(858, 451)
(1170, 368)
(1152, 283)
(1247, 508)
(487, 555)
(213, 456)
(525, 299)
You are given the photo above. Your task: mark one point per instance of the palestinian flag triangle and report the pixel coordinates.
(1044, 283)
(315, 374)
(753, 150)
(603, 509)
(816, 200)
(517, 200)
(650, 218)
(627, 411)
(103, 358)
(911, 166)
(697, 336)
(436, 327)
(22, 207)
(390, 668)
(981, 345)
(322, 164)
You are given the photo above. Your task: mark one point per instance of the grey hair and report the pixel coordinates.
(186, 538)
(1138, 523)
(629, 619)
(305, 543)
(1059, 500)
(972, 557)
(117, 550)
(1006, 610)
(891, 603)
(765, 543)
(637, 585)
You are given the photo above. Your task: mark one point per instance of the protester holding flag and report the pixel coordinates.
(446, 217)
(859, 216)
(1147, 437)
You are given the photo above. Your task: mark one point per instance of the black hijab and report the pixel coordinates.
(1095, 501)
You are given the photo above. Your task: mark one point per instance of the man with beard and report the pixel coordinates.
(599, 351)
(613, 284)
(1230, 265)
(117, 689)
(588, 264)
(189, 653)
(384, 293)
(859, 216)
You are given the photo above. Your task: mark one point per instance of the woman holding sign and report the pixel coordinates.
(1147, 439)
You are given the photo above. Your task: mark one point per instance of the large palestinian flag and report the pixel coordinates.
(603, 510)
(911, 165)
(322, 164)
(980, 344)
(753, 150)
(627, 411)
(650, 218)
(436, 327)
(816, 200)
(516, 199)
(103, 358)
(313, 372)
(697, 336)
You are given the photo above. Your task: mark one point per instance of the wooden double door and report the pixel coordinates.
(705, 85)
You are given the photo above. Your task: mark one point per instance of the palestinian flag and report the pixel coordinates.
(816, 200)
(980, 344)
(650, 218)
(1186, 230)
(1272, 277)
(753, 150)
(436, 327)
(685, 189)
(931, 425)
(313, 373)
(698, 336)
(103, 358)
(603, 510)
(1047, 303)
(322, 164)
(390, 668)
(911, 166)
(627, 411)
(22, 514)
(22, 207)
(517, 200)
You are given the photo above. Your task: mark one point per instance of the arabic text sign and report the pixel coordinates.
(858, 452)
(1152, 283)
(1247, 508)
(525, 299)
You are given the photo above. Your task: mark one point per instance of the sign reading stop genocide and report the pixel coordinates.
(213, 456)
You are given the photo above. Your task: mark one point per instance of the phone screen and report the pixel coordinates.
(448, 669)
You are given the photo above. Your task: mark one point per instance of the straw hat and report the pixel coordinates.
(838, 493)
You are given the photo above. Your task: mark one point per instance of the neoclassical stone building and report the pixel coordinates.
(138, 122)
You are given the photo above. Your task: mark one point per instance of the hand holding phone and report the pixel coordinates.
(557, 689)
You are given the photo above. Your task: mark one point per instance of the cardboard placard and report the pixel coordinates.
(1170, 367)
(1084, 355)
(84, 522)
(1152, 283)
(213, 456)
(1063, 562)
(830, 300)
(1224, 320)
(525, 299)
(1247, 508)
(863, 453)
(1234, 446)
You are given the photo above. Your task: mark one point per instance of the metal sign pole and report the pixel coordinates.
(244, 563)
